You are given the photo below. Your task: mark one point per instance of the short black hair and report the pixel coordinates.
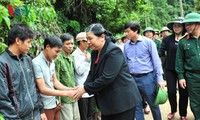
(65, 37)
(134, 26)
(53, 41)
(20, 30)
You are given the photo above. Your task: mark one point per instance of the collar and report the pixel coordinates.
(44, 58)
(62, 53)
(140, 38)
(190, 36)
(79, 50)
(20, 57)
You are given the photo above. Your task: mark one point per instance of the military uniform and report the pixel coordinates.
(158, 43)
(188, 68)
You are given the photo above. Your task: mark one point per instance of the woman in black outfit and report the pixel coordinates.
(109, 79)
(169, 46)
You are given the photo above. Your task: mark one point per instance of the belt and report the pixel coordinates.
(140, 74)
(194, 71)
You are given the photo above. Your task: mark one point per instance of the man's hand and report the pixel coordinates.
(70, 93)
(182, 83)
(43, 116)
(161, 84)
(80, 91)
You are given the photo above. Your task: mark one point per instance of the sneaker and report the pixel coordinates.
(170, 116)
(146, 110)
(184, 118)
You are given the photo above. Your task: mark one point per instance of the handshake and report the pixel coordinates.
(75, 93)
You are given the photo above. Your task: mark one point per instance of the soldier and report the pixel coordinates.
(187, 61)
(164, 32)
(156, 35)
(149, 33)
(168, 48)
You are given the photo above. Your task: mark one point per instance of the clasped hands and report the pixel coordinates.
(77, 92)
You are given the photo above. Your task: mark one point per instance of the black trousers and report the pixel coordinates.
(127, 115)
(86, 108)
(172, 81)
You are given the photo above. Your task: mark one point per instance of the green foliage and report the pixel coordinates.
(197, 5)
(4, 16)
(72, 16)
(40, 16)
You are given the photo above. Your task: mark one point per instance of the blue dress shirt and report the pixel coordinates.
(142, 57)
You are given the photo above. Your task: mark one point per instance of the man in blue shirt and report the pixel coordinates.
(145, 67)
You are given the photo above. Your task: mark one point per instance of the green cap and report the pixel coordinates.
(177, 20)
(192, 17)
(164, 29)
(149, 29)
(156, 31)
(161, 96)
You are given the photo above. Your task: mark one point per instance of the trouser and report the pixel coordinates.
(144, 103)
(70, 112)
(127, 115)
(193, 84)
(172, 79)
(97, 116)
(86, 108)
(147, 86)
(52, 114)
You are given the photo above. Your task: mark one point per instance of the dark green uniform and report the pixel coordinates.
(188, 68)
(158, 43)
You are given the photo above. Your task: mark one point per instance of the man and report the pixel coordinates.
(145, 67)
(156, 35)
(119, 42)
(124, 39)
(187, 61)
(164, 32)
(82, 66)
(65, 72)
(19, 98)
(46, 79)
(149, 33)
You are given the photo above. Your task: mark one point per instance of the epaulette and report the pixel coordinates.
(186, 34)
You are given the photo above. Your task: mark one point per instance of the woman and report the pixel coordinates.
(109, 79)
(169, 45)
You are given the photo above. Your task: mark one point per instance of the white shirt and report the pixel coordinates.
(82, 68)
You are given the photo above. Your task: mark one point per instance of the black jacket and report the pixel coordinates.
(168, 48)
(19, 96)
(114, 88)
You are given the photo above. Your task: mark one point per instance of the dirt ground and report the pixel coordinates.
(165, 109)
